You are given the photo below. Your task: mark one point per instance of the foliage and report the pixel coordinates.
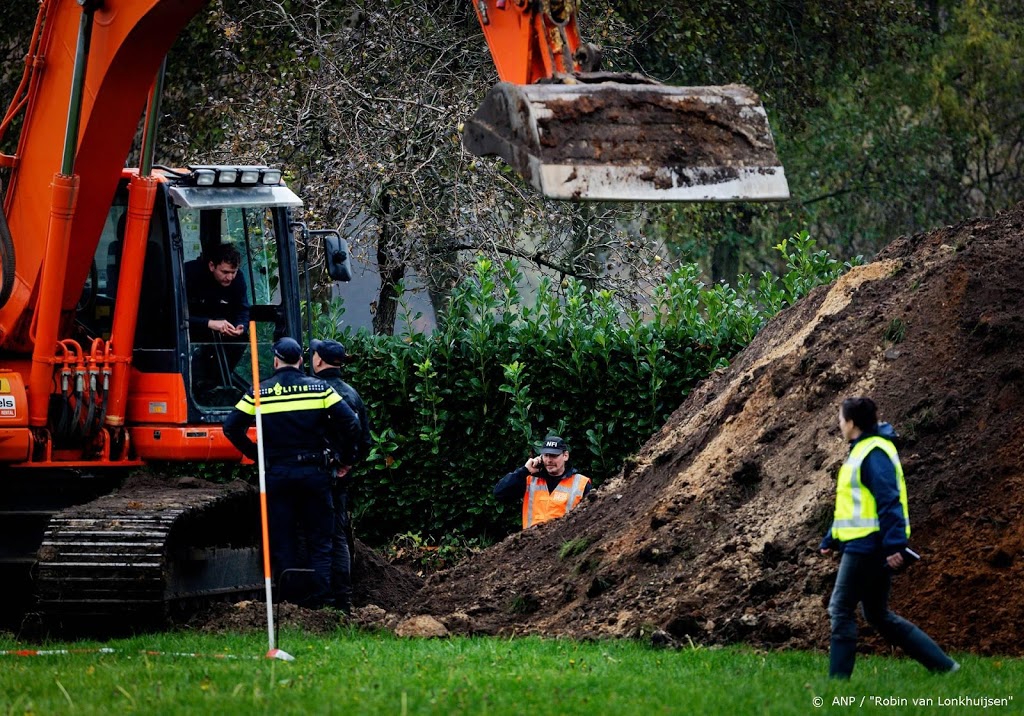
(425, 555)
(975, 83)
(453, 410)
(353, 672)
(890, 117)
(573, 547)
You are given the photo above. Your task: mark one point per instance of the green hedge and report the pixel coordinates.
(454, 410)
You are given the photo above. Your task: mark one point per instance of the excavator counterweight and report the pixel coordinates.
(632, 142)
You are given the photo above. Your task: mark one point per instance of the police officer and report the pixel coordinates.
(327, 358)
(304, 421)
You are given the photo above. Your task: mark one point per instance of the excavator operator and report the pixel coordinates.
(218, 308)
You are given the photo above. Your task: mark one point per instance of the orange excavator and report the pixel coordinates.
(99, 371)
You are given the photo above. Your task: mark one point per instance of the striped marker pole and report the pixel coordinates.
(274, 652)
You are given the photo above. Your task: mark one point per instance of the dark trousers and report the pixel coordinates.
(299, 500)
(341, 556)
(865, 579)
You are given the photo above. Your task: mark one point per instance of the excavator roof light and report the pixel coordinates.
(204, 177)
(233, 175)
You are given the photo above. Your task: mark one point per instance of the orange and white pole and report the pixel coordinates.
(273, 652)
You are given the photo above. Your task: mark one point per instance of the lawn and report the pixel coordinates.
(352, 672)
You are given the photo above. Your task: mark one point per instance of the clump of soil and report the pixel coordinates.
(710, 532)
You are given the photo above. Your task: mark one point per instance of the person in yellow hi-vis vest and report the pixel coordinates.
(871, 528)
(548, 486)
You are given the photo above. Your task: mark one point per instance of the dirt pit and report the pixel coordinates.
(381, 593)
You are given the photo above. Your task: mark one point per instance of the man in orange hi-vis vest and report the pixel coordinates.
(548, 486)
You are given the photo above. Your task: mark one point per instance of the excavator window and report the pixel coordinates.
(219, 362)
(155, 326)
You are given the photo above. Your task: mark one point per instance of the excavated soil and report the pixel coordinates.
(381, 592)
(633, 124)
(710, 532)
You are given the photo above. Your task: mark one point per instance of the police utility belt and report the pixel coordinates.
(321, 459)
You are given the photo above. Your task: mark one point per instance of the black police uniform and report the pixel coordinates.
(303, 420)
(341, 557)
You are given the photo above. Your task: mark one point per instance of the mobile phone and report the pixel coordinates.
(910, 557)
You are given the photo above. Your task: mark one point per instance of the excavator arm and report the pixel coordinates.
(127, 43)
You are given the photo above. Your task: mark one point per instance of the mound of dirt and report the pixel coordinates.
(710, 532)
(375, 582)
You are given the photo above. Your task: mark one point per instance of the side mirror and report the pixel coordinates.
(335, 255)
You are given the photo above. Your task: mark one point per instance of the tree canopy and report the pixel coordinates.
(891, 117)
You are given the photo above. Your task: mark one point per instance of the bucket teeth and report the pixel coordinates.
(632, 142)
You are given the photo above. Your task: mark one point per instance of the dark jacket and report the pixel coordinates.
(879, 476)
(302, 417)
(208, 300)
(512, 487)
(349, 394)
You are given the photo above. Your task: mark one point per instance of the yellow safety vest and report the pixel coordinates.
(856, 513)
(540, 505)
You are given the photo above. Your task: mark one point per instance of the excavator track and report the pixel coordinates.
(136, 556)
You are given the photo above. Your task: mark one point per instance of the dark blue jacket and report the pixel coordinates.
(207, 299)
(302, 417)
(350, 396)
(879, 476)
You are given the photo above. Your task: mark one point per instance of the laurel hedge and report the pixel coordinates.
(455, 409)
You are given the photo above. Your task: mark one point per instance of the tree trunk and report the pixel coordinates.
(390, 267)
(584, 254)
(725, 260)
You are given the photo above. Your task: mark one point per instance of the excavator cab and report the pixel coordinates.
(578, 134)
(183, 373)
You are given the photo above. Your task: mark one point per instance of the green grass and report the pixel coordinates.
(358, 673)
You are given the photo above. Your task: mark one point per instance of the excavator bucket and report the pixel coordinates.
(613, 141)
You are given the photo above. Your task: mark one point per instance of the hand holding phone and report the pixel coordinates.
(900, 561)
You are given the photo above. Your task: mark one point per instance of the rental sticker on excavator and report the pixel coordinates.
(8, 408)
